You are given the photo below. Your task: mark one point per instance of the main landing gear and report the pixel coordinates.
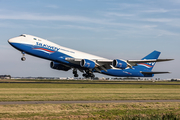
(75, 72)
(23, 58)
(89, 74)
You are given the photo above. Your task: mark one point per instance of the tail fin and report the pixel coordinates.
(149, 66)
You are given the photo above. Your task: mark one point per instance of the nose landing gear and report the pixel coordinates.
(23, 58)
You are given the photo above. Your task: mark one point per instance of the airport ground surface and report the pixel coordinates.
(51, 99)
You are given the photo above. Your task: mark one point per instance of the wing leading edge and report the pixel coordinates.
(107, 64)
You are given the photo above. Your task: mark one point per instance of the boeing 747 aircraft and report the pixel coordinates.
(63, 58)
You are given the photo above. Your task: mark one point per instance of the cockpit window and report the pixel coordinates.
(23, 35)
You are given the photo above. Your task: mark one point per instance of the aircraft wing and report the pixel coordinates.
(100, 64)
(104, 64)
(130, 63)
(135, 62)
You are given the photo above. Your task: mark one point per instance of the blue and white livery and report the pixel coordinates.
(63, 58)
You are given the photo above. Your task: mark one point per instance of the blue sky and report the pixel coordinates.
(107, 28)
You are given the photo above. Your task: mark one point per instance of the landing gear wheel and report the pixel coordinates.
(23, 58)
(84, 75)
(76, 75)
(89, 75)
(75, 72)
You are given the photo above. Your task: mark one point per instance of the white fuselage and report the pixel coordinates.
(36, 41)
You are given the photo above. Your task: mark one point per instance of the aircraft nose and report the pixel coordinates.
(13, 40)
(10, 41)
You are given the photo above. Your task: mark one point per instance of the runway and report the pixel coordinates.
(81, 102)
(139, 83)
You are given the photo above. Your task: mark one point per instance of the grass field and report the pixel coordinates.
(143, 111)
(53, 92)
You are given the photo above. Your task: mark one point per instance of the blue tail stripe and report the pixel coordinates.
(148, 66)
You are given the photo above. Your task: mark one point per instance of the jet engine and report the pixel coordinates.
(119, 64)
(58, 66)
(87, 63)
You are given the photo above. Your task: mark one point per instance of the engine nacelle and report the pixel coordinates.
(119, 64)
(58, 66)
(87, 63)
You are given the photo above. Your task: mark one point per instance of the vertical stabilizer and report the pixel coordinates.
(149, 66)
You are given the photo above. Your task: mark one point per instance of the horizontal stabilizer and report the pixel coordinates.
(161, 60)
(149, 60)
(154, 72)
